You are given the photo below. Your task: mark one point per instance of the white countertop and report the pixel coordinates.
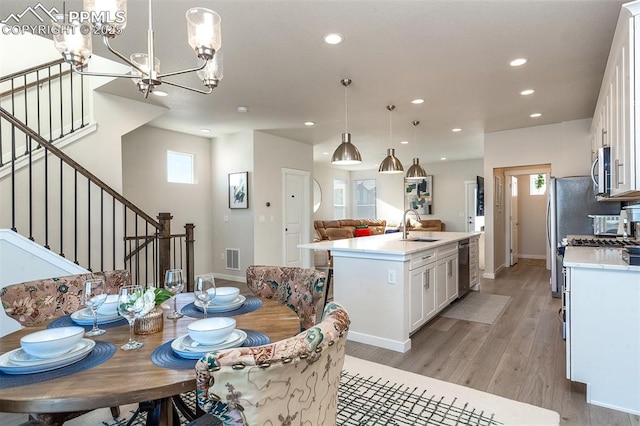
(597, 258)
(390, 243)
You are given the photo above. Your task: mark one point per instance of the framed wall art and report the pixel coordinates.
(418, 195)
(239, 190)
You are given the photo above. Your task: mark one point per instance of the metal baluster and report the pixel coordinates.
(30, 172)
(38, 103)
(72, 100)
(13, 132)
(1, 155)
(46, 199)
(75, 216)
(61, 210)
(13, 178)
(135, 233)
(113, 233)
(124, 222)
(61, 106)
(89, 225)
(27, 141)
(50, 109)
(101, 229)
(82, 101)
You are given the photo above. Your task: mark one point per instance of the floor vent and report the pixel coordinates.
(233, 259)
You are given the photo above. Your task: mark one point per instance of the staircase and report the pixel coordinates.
(52, 200)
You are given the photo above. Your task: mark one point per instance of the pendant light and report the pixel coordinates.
(390, 164)
(346, 153)
(416, 171)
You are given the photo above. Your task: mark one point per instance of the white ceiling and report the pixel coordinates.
(455, 54)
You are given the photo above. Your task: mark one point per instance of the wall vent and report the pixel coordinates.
(233, 259)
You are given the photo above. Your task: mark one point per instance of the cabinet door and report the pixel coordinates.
(422, 306)
(441, 283)
(452, 278)
(621, 87)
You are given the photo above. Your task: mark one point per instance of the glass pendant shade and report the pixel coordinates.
(390, 164)
(346, 153)
(72, 39)
(142, 59)
(212, 73)
(416, 171)
(110, 14)
(203, 31)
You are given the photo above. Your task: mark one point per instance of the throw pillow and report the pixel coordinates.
(363, 232)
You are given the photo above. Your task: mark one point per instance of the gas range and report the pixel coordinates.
(603, 242)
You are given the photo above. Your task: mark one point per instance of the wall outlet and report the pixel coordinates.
(226, 218)
(391, 276)
(261, 218)
(222, 256)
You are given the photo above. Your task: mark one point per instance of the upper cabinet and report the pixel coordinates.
(616, 112)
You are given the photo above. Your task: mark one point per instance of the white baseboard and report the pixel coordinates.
(368, 339)
(532, 256)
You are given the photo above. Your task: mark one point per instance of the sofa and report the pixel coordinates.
(426, 225)
(347, 228)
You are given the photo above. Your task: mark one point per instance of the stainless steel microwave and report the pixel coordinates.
(601, 172)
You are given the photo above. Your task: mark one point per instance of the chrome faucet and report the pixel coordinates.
(404, 222)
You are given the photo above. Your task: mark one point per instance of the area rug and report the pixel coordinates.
(477, 307)
(373, 394)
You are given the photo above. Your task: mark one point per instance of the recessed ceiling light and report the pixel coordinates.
(205, 130)
(417, 101)
(443, 158)
(535, 115)
(404, 142)
(518, 62)
(160, 93)
(309, 123)
(333, 38)
(242, 109)
(527, 92)
(456, 129)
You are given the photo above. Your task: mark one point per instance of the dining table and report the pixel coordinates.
(131, 376)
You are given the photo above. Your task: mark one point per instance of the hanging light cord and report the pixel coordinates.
(346, 111)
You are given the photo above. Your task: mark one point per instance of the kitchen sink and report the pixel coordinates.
(422, 240)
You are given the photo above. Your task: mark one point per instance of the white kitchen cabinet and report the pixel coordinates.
(603, 334)
(616, 111)
(422, 297)
(446, 276)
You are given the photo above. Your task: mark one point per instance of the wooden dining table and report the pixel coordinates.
(131, 376)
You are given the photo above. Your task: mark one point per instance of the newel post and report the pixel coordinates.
(189, 254)
(164, 245)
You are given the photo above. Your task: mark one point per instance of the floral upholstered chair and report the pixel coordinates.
(300, 289)
(292, 381)
(34, 302)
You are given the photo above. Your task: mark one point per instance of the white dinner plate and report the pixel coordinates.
(25, 365)
(214, 308)
(85, 317)
(183, 345)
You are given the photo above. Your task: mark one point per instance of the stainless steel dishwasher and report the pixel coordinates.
(463, 267)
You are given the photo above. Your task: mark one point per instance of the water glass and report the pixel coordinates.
(93, 296)
(174, 282)
(131, 304)
(205, 291)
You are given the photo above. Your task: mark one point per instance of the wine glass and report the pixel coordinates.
(174, 282)
(205, 291)
(93, 296)
(131, 304)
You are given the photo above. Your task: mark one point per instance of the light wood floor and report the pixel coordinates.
(520, 356)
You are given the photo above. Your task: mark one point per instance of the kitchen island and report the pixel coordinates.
(391, 286)
(602, 302)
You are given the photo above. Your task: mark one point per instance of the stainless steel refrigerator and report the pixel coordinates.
(571, 201)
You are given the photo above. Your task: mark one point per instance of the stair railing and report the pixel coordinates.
(53, 200)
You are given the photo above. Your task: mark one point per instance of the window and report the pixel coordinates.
(365, 201)
(179, 167)
(339, 199)
(538, 184)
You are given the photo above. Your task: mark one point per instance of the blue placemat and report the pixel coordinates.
(66, 321)
(100, 353)
(165, 357)
(251, 304)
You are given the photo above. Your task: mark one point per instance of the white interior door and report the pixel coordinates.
(513, 219)
(470, 205)
(296, 215)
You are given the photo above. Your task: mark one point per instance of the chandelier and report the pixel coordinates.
(108, 18)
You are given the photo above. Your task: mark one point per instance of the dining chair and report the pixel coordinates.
(34, 302)
(291, 381)
(301, 289)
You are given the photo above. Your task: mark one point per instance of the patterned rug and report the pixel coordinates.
(477, 307)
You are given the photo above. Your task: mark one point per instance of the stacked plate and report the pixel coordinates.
(85, 317)
(226, 307)
(186, 347)
(18, 361)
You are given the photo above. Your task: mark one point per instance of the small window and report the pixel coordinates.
(365, 191)
(339, 199)
(179, 167)
(538, 184)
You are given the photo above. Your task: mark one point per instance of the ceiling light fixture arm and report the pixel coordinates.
(204, 92)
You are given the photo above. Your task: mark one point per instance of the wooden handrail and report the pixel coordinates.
(84, 172)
